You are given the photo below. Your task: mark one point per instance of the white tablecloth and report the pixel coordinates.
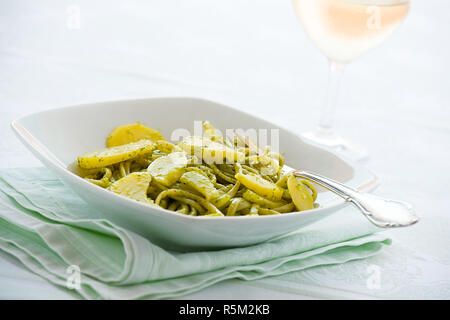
(251, 54)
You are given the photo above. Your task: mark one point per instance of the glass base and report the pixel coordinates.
(329, 139)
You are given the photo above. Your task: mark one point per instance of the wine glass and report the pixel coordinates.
(343, 30)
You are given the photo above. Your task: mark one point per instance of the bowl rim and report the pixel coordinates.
(40, 150)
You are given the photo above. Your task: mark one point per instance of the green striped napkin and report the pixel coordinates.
(58, 236)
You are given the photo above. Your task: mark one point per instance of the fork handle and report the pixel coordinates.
(338, 188)
(381, 212)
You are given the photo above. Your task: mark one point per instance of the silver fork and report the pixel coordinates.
(382, 212)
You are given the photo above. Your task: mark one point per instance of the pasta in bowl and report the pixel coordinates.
(59, 136)
(204, 176)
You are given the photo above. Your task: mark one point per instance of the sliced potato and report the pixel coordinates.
(134, 186)
(108, 156)
(260, 186)
(200, 183)
(168, 169)
(300, 194)
(132, 133)
(210, 151)
(164, 146)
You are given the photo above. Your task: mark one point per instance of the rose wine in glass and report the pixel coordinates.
(343, 30)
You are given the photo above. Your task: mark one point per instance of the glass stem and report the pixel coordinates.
(336, 70)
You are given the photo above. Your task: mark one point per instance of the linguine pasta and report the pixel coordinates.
(199, 176)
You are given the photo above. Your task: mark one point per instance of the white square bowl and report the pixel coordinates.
(56, 137)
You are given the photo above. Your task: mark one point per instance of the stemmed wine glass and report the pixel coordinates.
(343, 30)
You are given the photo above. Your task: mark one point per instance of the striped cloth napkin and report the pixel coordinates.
(58, 236)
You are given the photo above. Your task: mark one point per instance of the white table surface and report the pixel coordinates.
(251, 54)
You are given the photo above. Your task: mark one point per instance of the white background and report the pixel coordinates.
(251, 54)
